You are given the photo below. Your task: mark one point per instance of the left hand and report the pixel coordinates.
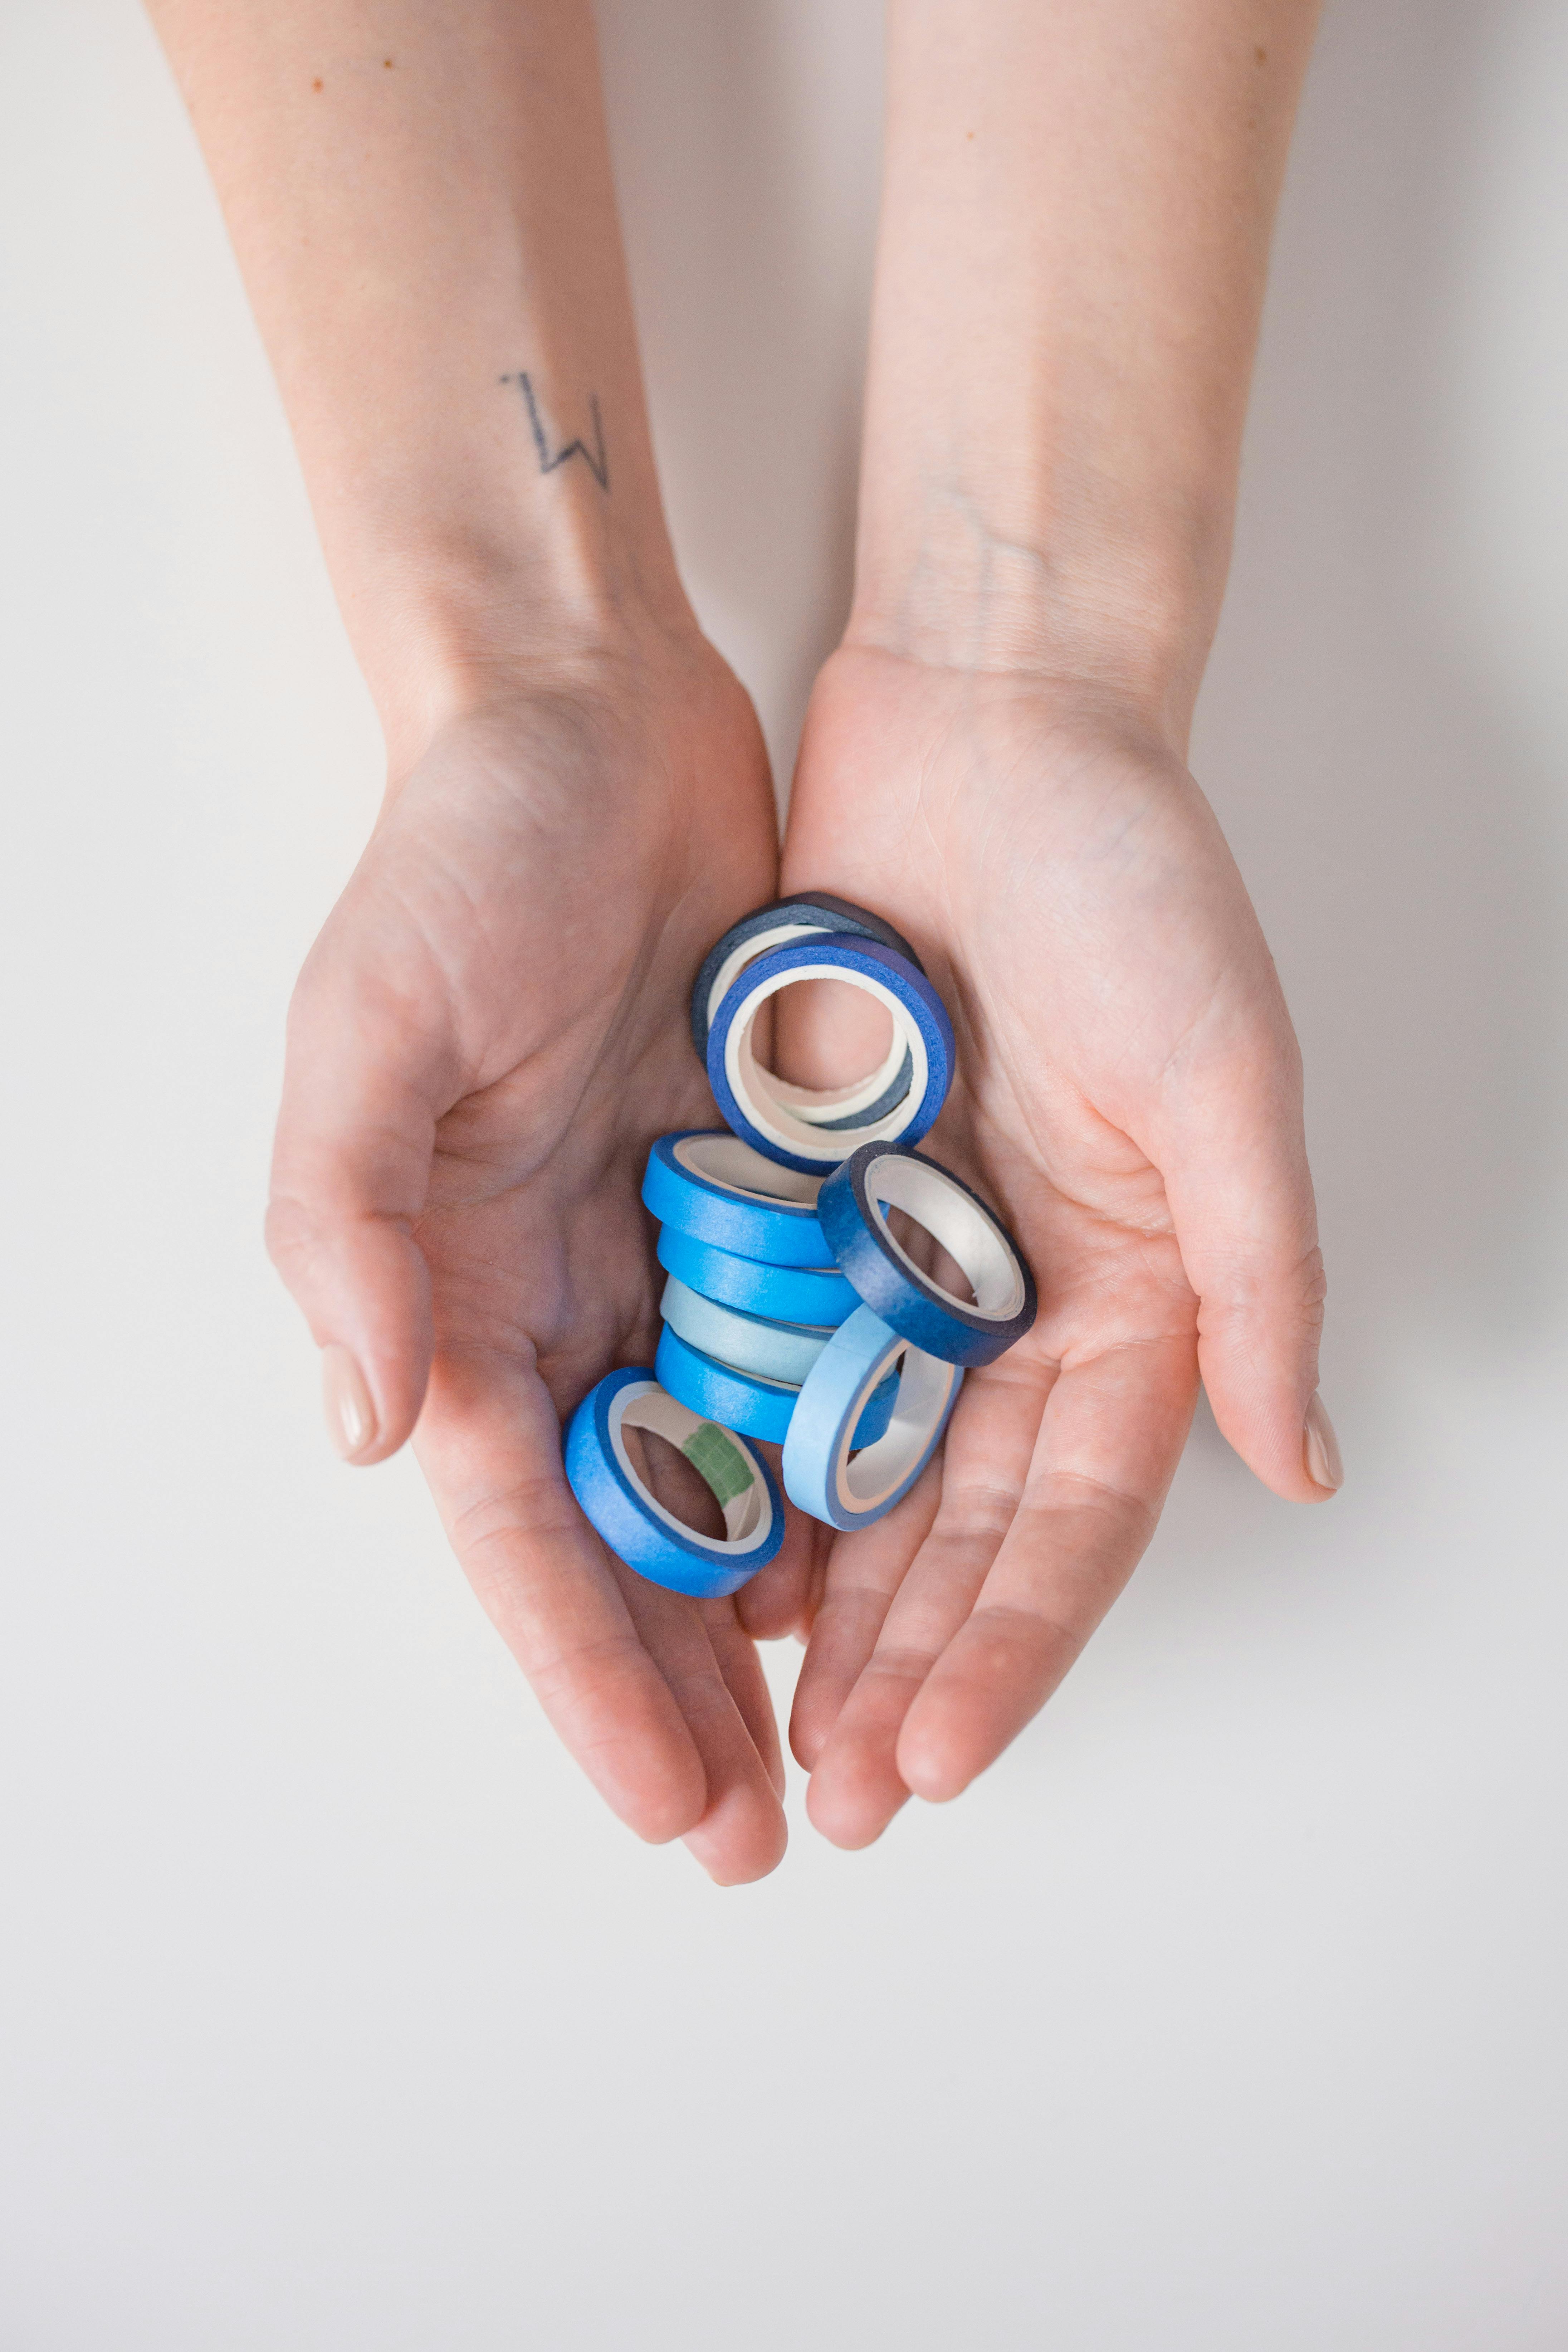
(1129, 1097)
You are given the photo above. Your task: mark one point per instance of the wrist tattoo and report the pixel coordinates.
(596, 460)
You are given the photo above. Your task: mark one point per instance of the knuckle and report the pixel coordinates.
(977, 1511)
(1127, 1515)
(902, 1664)
(1264, 1287)
(1314, 1282)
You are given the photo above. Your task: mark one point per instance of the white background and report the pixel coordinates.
(1227, 2015)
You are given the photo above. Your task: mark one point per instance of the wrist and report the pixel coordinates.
(959, 576)
(450, 613)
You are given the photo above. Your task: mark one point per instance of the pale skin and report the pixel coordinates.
(492, 1025)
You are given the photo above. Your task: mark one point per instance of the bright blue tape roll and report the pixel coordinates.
(804, 912)
(774, 1352)
(818, 1474)
(808, 915)
(851, 1208)
(636, 1527)
(785, 1294)
(758, 1105)
(706, 1183)
(753, 1407)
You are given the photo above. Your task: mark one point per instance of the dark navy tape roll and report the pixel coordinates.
(753, 1343)
(802, 912)
(749, 1405)
(823, 1474)
(635, 1524)
(785, 1294)
(852, 1206)
(757, 1106)
(706, 1183)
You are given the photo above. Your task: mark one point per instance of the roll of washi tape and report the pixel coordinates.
(753, 1343)
(819, 1473)
(753, 1407)
(853, 1209)
(785, 1294)
(634, 1524)
(808, 915)
(763, 1110)
(800, 916)
(706, 1183)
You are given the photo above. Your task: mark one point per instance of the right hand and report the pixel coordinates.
(485, 1038)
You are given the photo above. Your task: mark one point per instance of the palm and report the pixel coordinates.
(497, 1006)
(1126, 1074)
(558, 899)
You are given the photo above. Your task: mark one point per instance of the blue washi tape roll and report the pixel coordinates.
(853, 1212)
(753, 1407)
(753, 1343)
(635, 1524)
(818, 1473)
(785, 1294)
(763, 1110)
(706, 1183)
(800, 916)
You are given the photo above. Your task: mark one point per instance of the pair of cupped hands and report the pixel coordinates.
(492, 1028)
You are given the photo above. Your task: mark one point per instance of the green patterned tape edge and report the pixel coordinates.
(718, 1461)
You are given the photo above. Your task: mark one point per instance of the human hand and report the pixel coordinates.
(485, 1038)
(1129, 1097)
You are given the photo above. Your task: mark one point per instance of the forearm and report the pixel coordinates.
(1077, 203)
(421, 202)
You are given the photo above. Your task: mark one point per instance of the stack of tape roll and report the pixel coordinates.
(793, 1314)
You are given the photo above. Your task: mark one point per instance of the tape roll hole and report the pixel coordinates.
(673, 1483)
(827, 1036)
(922, 1249)
(692, 1469)
(824, 1123)
(944, 1236)
(867, 1477)
(894, 1364)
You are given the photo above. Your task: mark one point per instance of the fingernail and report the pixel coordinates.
(1321, 1448)
(345, 1396)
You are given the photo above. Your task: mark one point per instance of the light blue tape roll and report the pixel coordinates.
(706, 1183)
(774, 1352)
(753, 1407)
(818, 1474)
(635, 1526)
(785, 1294)
(759, 1107)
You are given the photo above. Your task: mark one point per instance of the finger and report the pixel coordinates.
(489, 1443)
(777, 1600)
(1110, 1440)
(857, 1787)
(743, 1671)
(864, 1572)
(1241, 1198)
(351, 1168)
(741, 1833)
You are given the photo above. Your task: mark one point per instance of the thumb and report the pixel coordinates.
(351, 1168)
(1247, 1225)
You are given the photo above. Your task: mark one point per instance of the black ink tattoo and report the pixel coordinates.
(596, 460)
